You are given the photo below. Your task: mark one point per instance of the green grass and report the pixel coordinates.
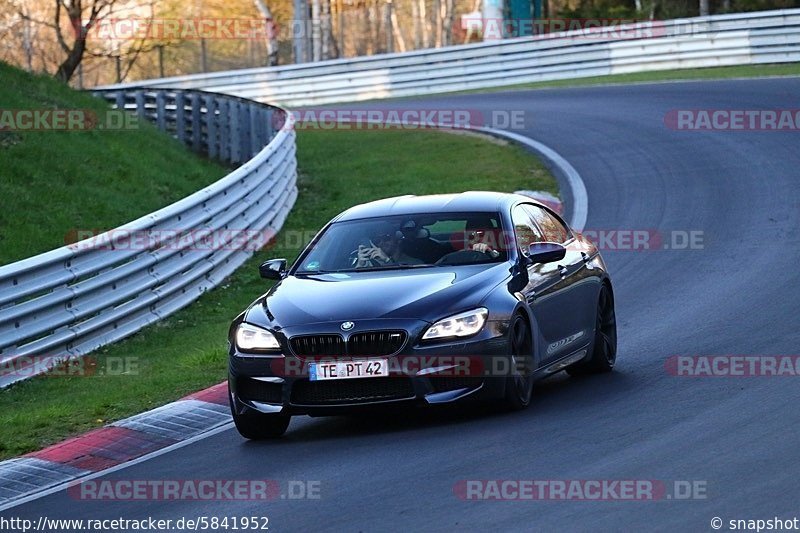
(186, 352)
(55, 182)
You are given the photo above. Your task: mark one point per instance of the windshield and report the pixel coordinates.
(409, 241)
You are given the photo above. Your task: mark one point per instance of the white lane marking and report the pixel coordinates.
(580, 199)
(151, 455)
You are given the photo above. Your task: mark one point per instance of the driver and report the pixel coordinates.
(480, 237)
(384, 249)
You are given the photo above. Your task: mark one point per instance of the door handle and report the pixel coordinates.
(562, 270)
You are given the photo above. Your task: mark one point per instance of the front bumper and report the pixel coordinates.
(419, 374)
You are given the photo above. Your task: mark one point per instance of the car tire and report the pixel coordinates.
(259, 426)
(519, 385)
(604, 347)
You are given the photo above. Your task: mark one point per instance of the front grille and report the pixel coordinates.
(448, 383)
(318, 345)
(259, 391)
(376, 343)
(358, 390)
(365, 344)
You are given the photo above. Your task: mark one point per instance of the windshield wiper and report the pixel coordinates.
(378, 268)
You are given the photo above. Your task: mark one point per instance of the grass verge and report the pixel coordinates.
(55, 182)
(186, 352)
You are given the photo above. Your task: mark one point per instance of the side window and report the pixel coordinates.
(552, 228)
(525, 229)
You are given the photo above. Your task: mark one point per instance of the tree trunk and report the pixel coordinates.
(417, 25)
(426, 24)
(329, 48)
(271, 32)
(316, 33)
(300, 37)
(340, 15)
(704, 10)
(437, 23)
(67, 68)
(448, 12)
(387, 25)
(398, 32)
(375, 26)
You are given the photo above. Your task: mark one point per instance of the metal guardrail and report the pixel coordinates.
(67, 302)
(720, 40)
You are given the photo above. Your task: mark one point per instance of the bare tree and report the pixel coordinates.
(398, 34)
(75, 47)
(329, 47)
(271, 32)
(704, 9)
(316, 34)
(447, 12)
(425, 22)
(417, 25)
(437, 23)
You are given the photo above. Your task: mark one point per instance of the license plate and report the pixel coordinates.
(348, 369)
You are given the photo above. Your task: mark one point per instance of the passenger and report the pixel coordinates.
(384, 249)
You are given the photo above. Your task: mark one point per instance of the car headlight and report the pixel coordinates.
(251, 338)
(461, 325)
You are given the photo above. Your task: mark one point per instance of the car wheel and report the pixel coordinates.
(259, 426)
(604, 347)
(519, 385)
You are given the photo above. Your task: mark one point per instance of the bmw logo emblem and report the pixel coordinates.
(347, 326)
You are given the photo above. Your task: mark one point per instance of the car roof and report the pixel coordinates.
(465, 202)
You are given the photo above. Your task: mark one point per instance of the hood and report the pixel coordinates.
(423, 294)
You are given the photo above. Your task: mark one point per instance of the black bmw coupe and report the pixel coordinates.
(421, 300)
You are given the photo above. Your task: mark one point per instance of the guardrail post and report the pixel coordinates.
(255, 130)
(211, 126)
(161, 110)
(235, 133)
(119, 100)
(197, 125)
(245, 126)
(140, 107)
(269, 125)
(180, 117)
(224, 129)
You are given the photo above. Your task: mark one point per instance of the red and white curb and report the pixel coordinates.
(111, 446)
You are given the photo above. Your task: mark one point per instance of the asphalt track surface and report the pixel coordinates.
(739, 294)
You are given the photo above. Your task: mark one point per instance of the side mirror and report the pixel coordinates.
(273, 269)
(545, 252)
